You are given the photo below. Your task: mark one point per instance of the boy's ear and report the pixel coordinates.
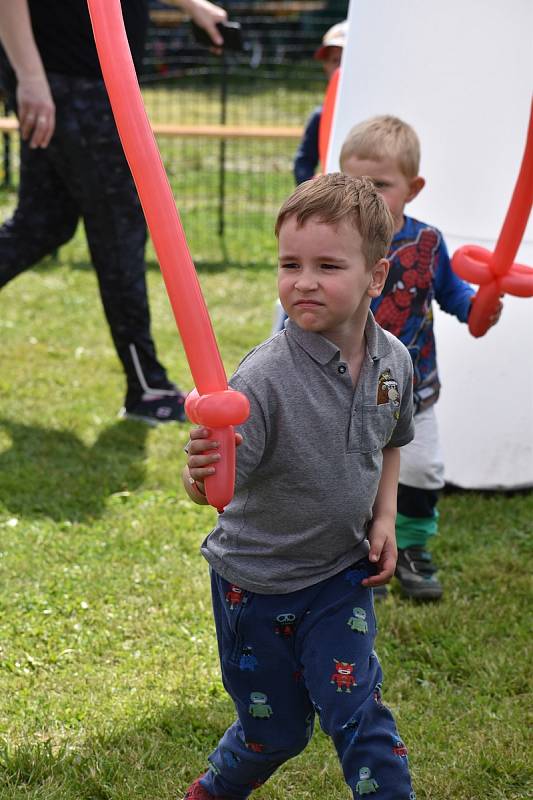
(415, 187)
(379, 275)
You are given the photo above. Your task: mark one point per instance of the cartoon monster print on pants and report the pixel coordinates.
(255, 747)
(399, 749)
(285, 625)
(355, 576)
(358, 621)
(235, 596)
(343, 676)
(366, 784)
(259, 707)
(247, 660)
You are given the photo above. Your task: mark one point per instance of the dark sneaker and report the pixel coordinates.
(152, 408)
(197, 792)
(416, 573)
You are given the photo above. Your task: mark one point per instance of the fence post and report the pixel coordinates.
(222, 145)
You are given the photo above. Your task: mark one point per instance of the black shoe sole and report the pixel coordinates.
(422, 593)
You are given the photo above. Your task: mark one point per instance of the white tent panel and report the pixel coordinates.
(461, 74)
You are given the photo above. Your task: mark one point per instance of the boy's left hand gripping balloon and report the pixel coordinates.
(213, 405)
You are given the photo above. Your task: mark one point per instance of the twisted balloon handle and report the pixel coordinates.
(495, 273)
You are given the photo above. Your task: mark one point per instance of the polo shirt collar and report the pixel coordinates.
(376, 340)
(323, 351)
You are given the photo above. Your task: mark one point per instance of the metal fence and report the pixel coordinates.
(228, 187)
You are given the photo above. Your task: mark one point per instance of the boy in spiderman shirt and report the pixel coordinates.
(387, 150)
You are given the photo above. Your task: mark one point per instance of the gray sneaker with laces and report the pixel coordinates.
(416, 572)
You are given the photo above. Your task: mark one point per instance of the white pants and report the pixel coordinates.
(421, 461)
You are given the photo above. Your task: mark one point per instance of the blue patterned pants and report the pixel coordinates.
(286, 658)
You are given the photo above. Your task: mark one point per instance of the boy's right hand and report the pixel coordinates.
(202, 455)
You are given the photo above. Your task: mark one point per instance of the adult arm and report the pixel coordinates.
(205, 14)
(35, 106)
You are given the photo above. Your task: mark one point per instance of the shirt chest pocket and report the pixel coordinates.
(377, 426)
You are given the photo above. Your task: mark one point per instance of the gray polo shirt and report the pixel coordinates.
(309, 467)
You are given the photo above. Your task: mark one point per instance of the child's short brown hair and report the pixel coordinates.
(336, 197)
(384, 136)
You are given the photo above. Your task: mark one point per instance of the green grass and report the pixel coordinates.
(251, 100)
(109, 682)
(257, 173)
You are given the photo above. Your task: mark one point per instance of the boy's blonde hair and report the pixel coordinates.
(336, 197)
(381, 137)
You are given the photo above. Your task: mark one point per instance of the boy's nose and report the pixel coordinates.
(306, 283)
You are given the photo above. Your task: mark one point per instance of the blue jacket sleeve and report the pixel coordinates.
(451, 293)
(306, 158)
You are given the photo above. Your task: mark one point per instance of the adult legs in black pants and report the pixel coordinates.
(83, 172)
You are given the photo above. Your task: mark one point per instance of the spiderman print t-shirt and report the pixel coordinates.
(420, 271)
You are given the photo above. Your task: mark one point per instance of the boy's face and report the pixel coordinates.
(331, 60)
(391, 183)
(323, 280)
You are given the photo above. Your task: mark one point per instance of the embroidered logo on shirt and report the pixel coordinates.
(388, 391)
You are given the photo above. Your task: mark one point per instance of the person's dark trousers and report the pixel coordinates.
(83, 173)
(288, 657)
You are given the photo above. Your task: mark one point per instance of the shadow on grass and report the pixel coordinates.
(54, 473)
(485, 494)
(221, 257)
(204, 266)
(157, 757)
(207, 266)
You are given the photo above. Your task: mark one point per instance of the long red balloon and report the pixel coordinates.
(495, 272)
(224, 408)
(326, 118)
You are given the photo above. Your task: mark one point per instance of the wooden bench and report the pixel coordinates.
(168, 130)
(171, 18)
(8, 124)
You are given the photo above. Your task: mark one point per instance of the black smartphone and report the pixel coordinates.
(230, 31)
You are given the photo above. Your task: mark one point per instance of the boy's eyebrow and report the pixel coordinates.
(324, 257)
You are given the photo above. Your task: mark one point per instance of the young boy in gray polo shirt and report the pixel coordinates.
(310, 529)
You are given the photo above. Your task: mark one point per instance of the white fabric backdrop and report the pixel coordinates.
(461, 74)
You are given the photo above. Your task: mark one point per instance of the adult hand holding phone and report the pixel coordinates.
(206, 16)
(229, 31)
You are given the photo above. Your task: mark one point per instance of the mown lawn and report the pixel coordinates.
(237, 184)
(109, 683)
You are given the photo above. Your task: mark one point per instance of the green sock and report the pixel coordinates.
(415, 531)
